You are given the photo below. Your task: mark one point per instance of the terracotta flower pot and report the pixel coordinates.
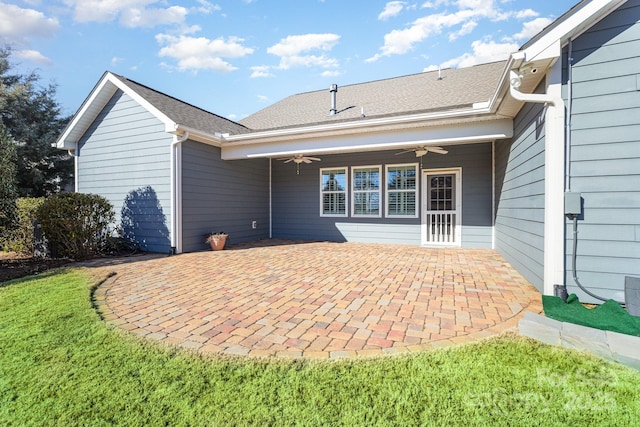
(217, 241)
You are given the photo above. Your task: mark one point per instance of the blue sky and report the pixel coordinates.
(235, 57)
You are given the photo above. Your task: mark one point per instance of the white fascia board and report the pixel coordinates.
(351, 126)
(85, 115)
(196, 135)
(574, 23)
(460, 133)
(94, 104)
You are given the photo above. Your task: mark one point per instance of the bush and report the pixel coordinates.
(19, 238)
(76, 225)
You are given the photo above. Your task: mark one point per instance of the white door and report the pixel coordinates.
(441, 207)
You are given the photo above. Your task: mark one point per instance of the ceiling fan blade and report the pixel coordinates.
(405, 152)
(306, 160)
(314, 159)
(438, 150)
(288, 160)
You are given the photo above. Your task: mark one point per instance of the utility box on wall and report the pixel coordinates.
(572, 203)
(632, 295)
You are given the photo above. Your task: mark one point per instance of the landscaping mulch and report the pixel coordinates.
(15, 266)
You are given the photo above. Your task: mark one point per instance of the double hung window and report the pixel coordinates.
(333, 192)
(366, 191)
(402, 191)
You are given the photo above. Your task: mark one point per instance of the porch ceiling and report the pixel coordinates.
(371, 139)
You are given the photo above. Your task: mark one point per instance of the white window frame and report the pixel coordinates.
(345, 191)
(381, 182)
(416, 191)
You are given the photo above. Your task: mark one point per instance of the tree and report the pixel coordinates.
(33, 118)
(8, 191)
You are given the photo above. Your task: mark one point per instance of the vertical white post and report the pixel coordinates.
(554, 233)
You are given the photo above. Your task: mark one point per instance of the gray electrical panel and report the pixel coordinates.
(572, 203)
(632, 295)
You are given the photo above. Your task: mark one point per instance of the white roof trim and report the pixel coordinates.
(574, 22)
(461, 133)
(357, 125)
(93, 105)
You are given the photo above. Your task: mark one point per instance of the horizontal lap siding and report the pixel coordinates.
(220, 195)
(296, 198)
(519, 224)
(124, 156)
(605, 153)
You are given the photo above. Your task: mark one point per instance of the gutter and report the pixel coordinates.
(515, 80)
(317, 130)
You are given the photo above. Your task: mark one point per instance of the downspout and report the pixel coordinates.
(554, 150)
(515, 80)
(567, 138)
(176, 239)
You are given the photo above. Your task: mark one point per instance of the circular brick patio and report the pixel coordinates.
(320, 300)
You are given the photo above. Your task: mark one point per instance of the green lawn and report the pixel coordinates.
(61, 365)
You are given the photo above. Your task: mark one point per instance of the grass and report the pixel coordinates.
(61, 365)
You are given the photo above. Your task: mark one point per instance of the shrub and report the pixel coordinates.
(75, 225)
(19, 238)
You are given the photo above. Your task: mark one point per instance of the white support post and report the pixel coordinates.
(554, 233)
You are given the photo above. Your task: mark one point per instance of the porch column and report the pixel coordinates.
(554, 233)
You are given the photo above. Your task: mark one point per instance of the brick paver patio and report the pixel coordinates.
(317, 300)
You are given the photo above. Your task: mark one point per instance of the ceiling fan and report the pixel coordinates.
(421, 151)
(299, 158)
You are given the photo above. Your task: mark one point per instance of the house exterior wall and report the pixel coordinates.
(520, 182)
(124, 156)
(605, 152)
(296, 198)
(222, 195)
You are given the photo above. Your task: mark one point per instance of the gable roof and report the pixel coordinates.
(183, 113)
(172, 112)
(412, 94)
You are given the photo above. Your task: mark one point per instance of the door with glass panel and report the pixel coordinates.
(441, 217)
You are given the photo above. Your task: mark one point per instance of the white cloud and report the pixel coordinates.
(200, 53)
(430, 68)
(483, 52)
(130, 13)
(461, 21)
(391, 9)
(331, 73)
(207, 7)
(116, 60)
(260, 71)
(31, 55)
(150, 18)
(524, 14)
(466, 28)
(18, 24)
(531, 28)
(263, 98)
(291, 50)
(399, 42)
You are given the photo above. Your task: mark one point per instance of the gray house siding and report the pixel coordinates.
(222, 195)
(519, 171)
(605, 153)
(296, 198)
(124, 156)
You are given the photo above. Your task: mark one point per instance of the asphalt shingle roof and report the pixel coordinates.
(410, 94)
(183, 113)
